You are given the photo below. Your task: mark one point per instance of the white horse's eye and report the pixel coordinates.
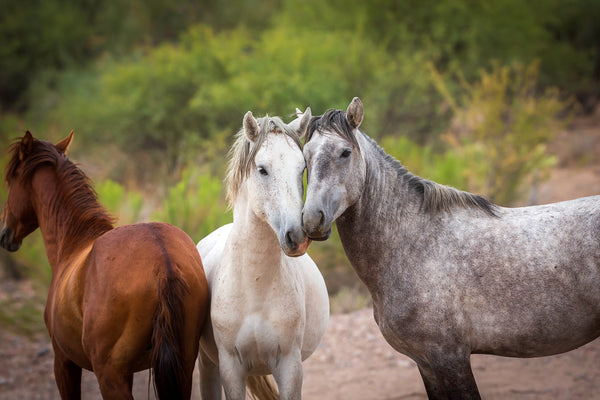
(262, 171)
(346, 153)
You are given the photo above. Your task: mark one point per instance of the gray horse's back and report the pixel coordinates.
(532, 285)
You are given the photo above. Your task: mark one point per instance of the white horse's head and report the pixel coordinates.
(267, 165)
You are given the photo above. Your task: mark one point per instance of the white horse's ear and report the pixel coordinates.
(64, 144)
(250, 126)
(302, 124)
(354, 113)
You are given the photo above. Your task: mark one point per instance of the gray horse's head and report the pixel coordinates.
(336, 168)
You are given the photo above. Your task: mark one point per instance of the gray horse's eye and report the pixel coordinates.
(346, 153)
(262, 171)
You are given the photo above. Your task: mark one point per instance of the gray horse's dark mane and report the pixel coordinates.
(435, 197)
(332, 121)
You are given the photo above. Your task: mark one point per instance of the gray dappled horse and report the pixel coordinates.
(451, 273)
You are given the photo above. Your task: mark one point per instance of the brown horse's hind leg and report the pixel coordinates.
(67, 375)
(449, 377)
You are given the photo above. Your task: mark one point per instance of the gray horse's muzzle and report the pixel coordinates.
(316, 225)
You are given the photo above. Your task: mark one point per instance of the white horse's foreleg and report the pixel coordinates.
(288, 375)
(210, 381)
(233, 376)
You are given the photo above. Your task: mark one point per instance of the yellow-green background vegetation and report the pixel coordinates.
(466, 93)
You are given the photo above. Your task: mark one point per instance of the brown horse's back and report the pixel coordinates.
(146, 297)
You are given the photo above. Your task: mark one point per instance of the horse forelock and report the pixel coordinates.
(332, 121)
(85, 215)
(243, 152)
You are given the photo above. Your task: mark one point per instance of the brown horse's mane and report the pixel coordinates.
(75, 203)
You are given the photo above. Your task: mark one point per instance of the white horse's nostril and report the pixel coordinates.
(289, 240)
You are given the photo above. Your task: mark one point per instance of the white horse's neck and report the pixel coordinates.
(254, 244)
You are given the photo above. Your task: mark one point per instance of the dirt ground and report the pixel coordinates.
(353, 361)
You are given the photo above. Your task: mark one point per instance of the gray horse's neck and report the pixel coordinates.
(387, 213)
(397, 216)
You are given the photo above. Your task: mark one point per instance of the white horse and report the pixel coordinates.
(269, 311)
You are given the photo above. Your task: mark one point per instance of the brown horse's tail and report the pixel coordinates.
(167, 359)
(262, 388)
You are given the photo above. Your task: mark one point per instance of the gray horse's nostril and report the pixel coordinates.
(322, 218)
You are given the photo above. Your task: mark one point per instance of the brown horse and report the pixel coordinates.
(121, 299)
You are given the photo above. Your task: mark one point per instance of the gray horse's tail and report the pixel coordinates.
(262, 388)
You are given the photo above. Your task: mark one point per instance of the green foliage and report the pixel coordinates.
(501, 126)
(196, 205)
(22, 307)
(153, 86)
(10, 129)
(50, 36)
(173, 99)
(447, 167)
(127, 205)
(463, 35)
(32, 260)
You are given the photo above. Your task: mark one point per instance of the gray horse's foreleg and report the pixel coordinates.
(449, 377)
(210, 380)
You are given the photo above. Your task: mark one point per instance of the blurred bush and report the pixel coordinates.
(124, 204)
(196, 204)
(156, 90)
(51, 36)
(445, 167)
(177, 100)
(501, 126)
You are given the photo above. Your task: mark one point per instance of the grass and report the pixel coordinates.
(22, 307)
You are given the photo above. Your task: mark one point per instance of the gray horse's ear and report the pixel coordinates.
(303, 122)
(63, 145)
(26, 145)
(250, 126)
(354, 113)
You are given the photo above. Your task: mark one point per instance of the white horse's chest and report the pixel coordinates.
(259, 314)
